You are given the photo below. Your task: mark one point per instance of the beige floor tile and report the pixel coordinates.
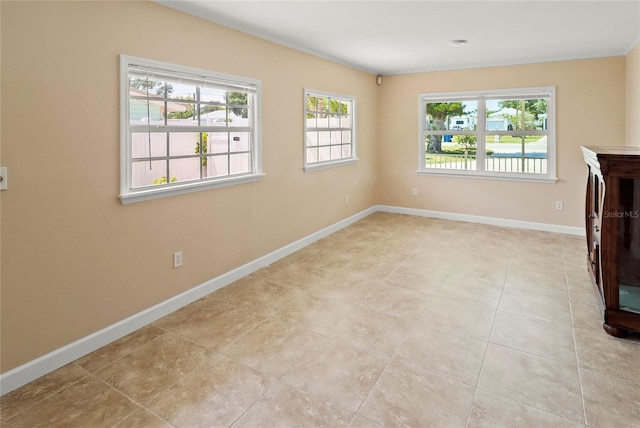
(483, 270)
(365, 271)
(214, 395)
(534, 336)
(316, 314)
(331, 259)
(142, 419)
(88, 403)
(457, 317)
(213, 326)
(586, 316)
(379, 318)
(493, 251)
(457, 357)
(542, 281)
(300, 276)
(236, 287)
(285, 406)
(410, 397)
(273, 347)
(375, 331)
(577, 274)
(528, 260)
(426, 260)
(32, 393)
(360, 422)
(539, 382)
(425, 281)
(492, 411)
(269, 298)
(147, 372)
(582, 292)
(351, 292)
(128, 344)
(338, 372)
(395, 301)
(197, 312)
(379, 296)
(606, 354)
(610, 401)
(535, 305)
(445, 254)
(386, 254)
(468, 289)
(544, 240)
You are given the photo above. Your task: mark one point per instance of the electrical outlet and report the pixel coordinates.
(559, 205)
(177, 259)
(414, 191)
(346, 200)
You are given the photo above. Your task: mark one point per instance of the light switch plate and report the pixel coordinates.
(3, 178)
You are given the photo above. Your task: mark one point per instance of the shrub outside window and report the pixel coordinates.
(185, 129)
(508, 134)
(329, 129)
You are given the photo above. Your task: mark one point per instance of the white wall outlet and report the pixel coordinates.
(177, 259)
(346, 200)
(559, 205)
(414, 191)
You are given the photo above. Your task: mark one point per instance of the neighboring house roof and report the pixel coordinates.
(172, 107)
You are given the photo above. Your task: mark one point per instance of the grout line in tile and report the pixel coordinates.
(131, 399)
(575, 346)
(52, 394)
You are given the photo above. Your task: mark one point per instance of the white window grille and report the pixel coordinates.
(329, 129)
(503, 134)
(185, 129)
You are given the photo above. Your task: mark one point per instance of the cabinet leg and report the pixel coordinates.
(615, 331)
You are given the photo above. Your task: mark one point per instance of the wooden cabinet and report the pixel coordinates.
(612, 220)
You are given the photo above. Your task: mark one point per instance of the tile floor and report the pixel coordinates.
(393, 321)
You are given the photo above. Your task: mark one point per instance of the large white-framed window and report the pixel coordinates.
(185, 129)
(502, 134)
(329, 129)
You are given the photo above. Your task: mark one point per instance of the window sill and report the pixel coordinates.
(532, 178)
(325, 165)
(180, 189)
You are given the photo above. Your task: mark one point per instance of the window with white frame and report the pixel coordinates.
(329, 129)
(507, 134)
(185, 129)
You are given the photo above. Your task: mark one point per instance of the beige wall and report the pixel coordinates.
(590, 111)
(74, 259)
(633, 97)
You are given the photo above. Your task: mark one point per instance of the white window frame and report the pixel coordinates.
(548, 92)
(129, 194)
(312, 166)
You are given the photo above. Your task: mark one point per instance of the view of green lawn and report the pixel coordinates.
(508, 139)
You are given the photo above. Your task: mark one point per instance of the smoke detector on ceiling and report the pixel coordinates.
(457, 43)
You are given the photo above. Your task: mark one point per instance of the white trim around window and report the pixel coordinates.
(330, 132)
(185, 129)
(505, 134)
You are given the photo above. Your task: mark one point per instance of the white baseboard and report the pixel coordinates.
(569, 230)
(34, 369)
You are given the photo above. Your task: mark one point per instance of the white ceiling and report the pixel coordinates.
(395, 37)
